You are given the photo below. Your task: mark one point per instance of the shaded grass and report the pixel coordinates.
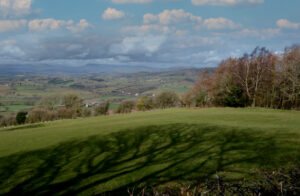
(148, 155)
(110, 153)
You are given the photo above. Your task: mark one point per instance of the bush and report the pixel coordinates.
(66, 113)
(276, 182)
(167, 99)
(8, 121)
(41, 115)
(102, 109)
(187, 99)
(85, 112)
(201, 98)
(49, 102)
(73, 101)
(21, 117)
(234, 98)
(126, 107)
(145, 103)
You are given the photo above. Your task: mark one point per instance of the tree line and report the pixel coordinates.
(54, 107)
(72, 106)
(259, 79)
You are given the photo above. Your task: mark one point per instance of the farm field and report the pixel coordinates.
(23, 92)
(101, 154)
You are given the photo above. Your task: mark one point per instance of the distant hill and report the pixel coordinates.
(87, 69)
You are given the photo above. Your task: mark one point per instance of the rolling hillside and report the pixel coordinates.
(101, 154)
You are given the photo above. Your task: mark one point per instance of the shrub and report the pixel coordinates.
(8, 121)
(145, 103)
(187, 99)
(86, 112)
(49, 102)
(66, 113)
(201, 98)
(167, 99)
(21, 117)
(276, 182)
(126, 106)
(234, 98)
(102, 109)
(41, 115)
(73, 101)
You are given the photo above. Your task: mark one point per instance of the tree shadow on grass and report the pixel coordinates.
(149, 155)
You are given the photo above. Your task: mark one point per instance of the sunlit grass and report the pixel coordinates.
(99, 154)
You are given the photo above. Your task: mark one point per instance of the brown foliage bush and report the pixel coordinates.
(8, 121)
(41, 115)
(66, 113)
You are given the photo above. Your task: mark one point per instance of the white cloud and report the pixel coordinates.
(247, 33)
(11, 25)
(285, 24)
(111, 14)
(181, 17)
(53, 24)
(15, 8)
(171, 16)
(48, 24)
(225, 2)
(219, 23)
(147, 29)
(8, 42)
(131, 1)
(181, 33)
(270, 32)
(80, 26)
(259, 33)
(10, 49)
(138, 45)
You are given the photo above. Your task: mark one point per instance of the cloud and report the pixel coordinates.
(11, 25)
(225, 2)
(145, 45)
(147, 29)
(181, 33)
(112, 14)
(53, 24)
(181, 17)
(219, 23)
(80, 26)
(131, 1)
(8, 42)
(48, 24)
(171, 16)
(254, 33)
(144, 50)
(15, 8)
(10, 50)
(285, 24)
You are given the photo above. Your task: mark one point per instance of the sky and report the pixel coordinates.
(158, 33)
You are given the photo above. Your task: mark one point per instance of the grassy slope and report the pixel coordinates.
(106, 153)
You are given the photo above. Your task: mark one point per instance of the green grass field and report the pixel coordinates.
(16, 108)
(100, 154)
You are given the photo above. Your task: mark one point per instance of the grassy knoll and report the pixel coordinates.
(95, 155)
